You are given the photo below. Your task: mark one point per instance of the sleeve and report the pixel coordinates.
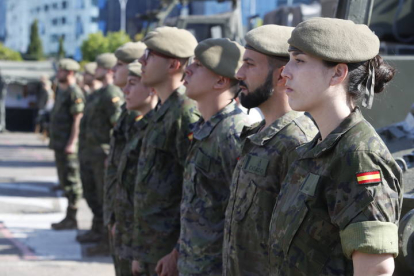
(366, 203)
(77, 101)
(112, 110)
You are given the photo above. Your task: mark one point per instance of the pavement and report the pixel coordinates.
(28, 206)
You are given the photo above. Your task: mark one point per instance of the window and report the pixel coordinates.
(46, 8)
(55, 6)
(63, 20)
(94, 19)
(64, 4)
(54, 21)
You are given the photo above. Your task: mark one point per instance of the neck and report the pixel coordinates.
(165, 89)
(147, 108)
(209, 107)
(329, 116)
(275, 107)
(107, 80)
(70, 81)
(96, 85)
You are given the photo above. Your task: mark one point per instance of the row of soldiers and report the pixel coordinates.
(176, 176)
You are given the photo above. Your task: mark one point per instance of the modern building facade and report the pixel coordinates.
(2, 20)
(71, 19)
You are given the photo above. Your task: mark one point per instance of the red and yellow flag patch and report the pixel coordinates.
(139, 117)
(190, 136)
(78, 101)
(369, 177)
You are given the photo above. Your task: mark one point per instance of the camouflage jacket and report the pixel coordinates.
(67, 103)
(341, 195)
(101, 114)
(264, 162)
(160, 177)
(120, 134)
(207, 177)
(124, 188)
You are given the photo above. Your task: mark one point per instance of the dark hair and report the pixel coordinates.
(277, 62)
(358, 73)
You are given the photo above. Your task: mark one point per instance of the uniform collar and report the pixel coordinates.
(172, 99)
(260, 138)
(203, 129)
(314, 150)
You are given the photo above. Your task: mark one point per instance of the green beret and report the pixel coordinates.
(269, 40)
(335, 40)
(135, 69)
(130, 51)
(220, 55)
(172, 42)
(107, 60)
(68, 64)
(90, 68)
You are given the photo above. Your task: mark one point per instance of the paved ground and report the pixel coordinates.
(28, 206)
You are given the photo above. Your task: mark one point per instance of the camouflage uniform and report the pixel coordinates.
(118, 141)
(265, 159)
(124, 192)
(67, 104)
(207, 177)
(160, 176)
(326, 209)
(101, 113)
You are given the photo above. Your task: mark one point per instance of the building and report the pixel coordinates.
(71, 19)
(2, 20)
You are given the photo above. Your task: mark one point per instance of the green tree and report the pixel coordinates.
(97, 44)
(116, 39)
(9, 54)
(61, 50)
(94, 45)
(35, 50)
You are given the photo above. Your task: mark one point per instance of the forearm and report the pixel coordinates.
(372, 264)
(74, 134)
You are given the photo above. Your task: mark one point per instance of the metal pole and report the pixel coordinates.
(123, 4)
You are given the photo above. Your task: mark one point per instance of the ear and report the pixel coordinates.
(339, 75)
(278, 79)
(221, 82)
(175, 64)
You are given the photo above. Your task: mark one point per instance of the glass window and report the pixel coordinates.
(64, 4)
(63, 20)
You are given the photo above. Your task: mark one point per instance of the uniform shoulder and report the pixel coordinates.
(301, 130)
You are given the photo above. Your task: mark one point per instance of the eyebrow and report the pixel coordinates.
(248, 59)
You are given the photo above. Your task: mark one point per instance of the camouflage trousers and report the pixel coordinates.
(92, 171)
(67, 166)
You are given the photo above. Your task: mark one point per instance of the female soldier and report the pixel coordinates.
(340, 202)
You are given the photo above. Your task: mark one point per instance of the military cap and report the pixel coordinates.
(135, 69)
(106, 60)
(130, 51)
(335, 40)
(69, 64)
(269, 40)
(220, 55)
(171, 41)
(90, 68)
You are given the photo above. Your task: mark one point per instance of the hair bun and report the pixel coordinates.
(383, 73)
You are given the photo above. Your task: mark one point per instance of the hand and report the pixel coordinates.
(70, 148)
(167, 266)
(136, 268)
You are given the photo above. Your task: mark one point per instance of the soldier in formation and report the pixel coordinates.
(212, 195)
(64, 131)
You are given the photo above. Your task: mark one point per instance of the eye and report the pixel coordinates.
(297, 60)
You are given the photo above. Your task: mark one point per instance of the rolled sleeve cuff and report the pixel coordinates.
(371, 237)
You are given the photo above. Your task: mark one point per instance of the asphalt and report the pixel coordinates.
(28, 205)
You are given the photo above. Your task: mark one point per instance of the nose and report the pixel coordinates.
(142, 60)
(126, 89)
(188, 70)
(286, 71)
(240, 73)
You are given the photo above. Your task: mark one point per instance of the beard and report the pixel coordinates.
(259, 95)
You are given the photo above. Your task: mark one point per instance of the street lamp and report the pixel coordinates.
(123, 4)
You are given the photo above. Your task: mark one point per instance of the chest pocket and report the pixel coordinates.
(299, 223)
(154, 154)
(256, 165)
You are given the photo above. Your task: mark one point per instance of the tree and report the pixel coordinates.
(35, 50)
(97, 44)
(61, 50)
(9, 54)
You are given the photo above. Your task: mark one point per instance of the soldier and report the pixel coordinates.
(64, 130)
(125, 55)
(266, 153)
(164, 148)
(339, 206)
(90, 83)
(210, 81)
(141, 99)
(101, 114)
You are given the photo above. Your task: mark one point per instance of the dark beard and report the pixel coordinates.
(259, 95)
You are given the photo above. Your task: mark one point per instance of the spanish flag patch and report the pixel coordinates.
(139, 117)
(190, 136)
(369, 177)
(78, 101)
(115, 99)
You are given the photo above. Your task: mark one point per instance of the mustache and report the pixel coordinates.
(242, 83)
